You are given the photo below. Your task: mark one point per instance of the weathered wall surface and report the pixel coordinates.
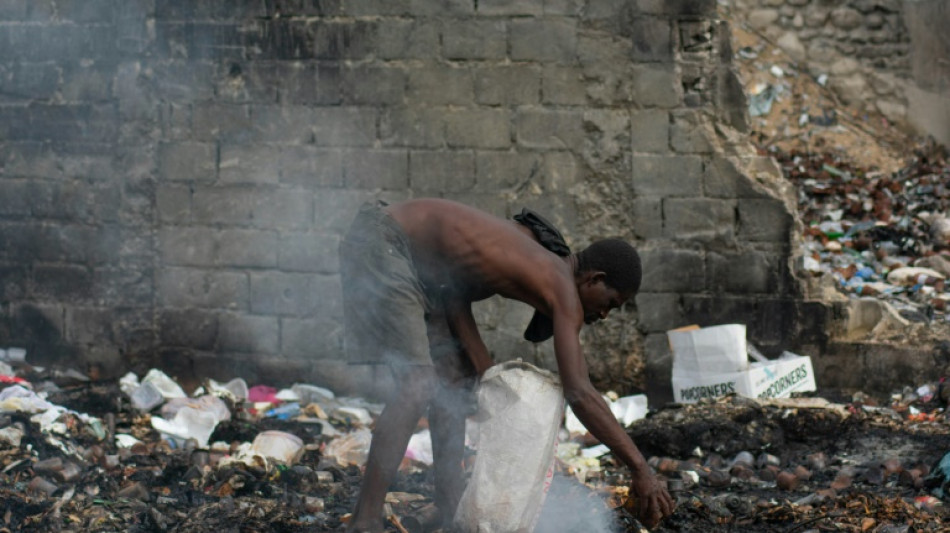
(882, 56)
(175, 176)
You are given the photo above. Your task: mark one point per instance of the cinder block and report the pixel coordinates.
(699, 219)
(764, 220)
(657, 85)
(650, 130)
(652, 40)
(31, 80)
(690, 132)
(89, 325)
(181, 82)
(667, 176)
(309, 252)
(193, 328)
(224, 205)
(408, 39)
(413, 127)
(510, 7)
(436, 172)
(297, 295)
(86, 11)
(310, 167)
(204, 289)
(672, 270)
(75, 201)
(496, 171)
(551, 39)
(130, 285)
(58, 283)
(13, 281)
(478, 128)
(17, 197)
(376, 169)
(311, 338)
(259, 83)
(257, 164)
(88, 123)
(746, 272)
(549, 129)
(658, 312)
(344, 126)
(648, 217)
(184, 246)
(444, 85)
(296, 124)
(570, 8)
(91, 83)
(248, 333)
(375, 8)
(285, 208)
(475, 39)
(175, 121)
(372, 85)
(213, 121)
(245, 248)
(563, 86)
(507, 85)
(441, 7)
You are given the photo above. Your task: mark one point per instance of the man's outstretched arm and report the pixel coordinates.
(591, 409)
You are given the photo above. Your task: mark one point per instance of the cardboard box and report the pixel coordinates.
(713, 362)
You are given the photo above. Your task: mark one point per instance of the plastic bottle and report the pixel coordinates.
(288, 410)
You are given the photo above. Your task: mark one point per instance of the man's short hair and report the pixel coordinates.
(617, 259)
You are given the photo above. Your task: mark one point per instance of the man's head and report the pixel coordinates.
(608, 273)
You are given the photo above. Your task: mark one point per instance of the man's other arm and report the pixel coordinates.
(462, 323)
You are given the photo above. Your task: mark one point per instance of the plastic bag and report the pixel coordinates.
(519, 414)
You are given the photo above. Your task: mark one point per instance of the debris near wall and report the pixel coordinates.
(874, 200)
(289, 460)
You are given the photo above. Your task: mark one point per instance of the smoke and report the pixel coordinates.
(571, 507)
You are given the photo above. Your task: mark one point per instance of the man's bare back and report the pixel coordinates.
(478, 255)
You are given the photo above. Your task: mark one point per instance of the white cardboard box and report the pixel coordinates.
(712, 362)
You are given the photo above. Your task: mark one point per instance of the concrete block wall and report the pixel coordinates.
(175, 176)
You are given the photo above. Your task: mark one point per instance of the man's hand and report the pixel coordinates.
(654, 503)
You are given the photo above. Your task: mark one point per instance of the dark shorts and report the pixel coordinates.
(389, 316)
(384, 305)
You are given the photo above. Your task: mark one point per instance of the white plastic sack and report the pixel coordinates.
(519, 414)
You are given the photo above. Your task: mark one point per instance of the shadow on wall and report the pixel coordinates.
(29, 327)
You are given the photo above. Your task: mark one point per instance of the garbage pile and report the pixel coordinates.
(878, 234)
(877, 221)
(142, 454)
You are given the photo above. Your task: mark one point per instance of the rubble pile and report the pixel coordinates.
(82, 455)
(878, 234)
(873, 198)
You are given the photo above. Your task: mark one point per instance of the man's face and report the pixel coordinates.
(598, 299)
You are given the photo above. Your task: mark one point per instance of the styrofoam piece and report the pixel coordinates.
(280, 445)
(146, 397)
(189, 423)
(165, 384)
(312, 393)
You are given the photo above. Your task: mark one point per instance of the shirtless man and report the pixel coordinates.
(410, 274)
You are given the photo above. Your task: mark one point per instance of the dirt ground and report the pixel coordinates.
(801, 465)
